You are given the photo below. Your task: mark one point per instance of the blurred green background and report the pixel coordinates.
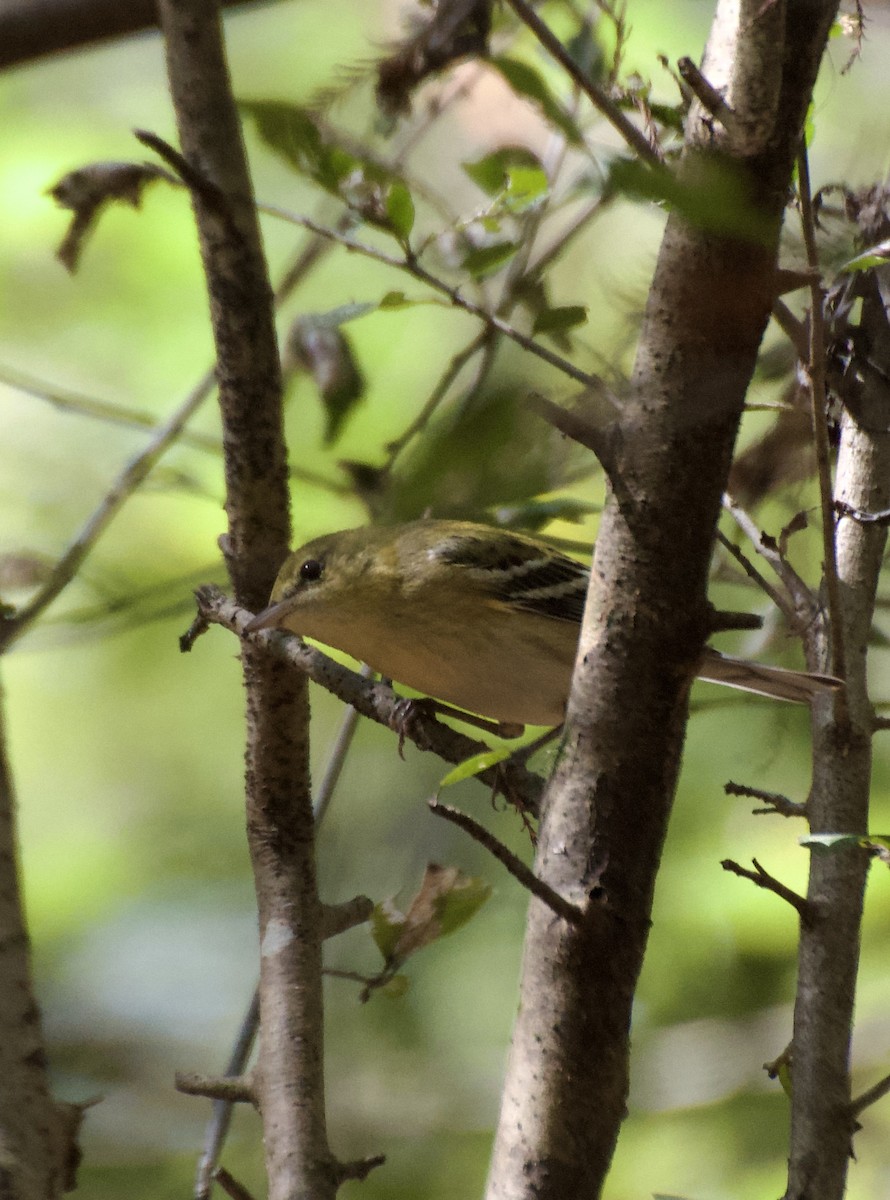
(128, 755)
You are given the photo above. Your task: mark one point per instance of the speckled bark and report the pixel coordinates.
(821, 1126)
(290, 1079)
(607, 807)
(38, 1154)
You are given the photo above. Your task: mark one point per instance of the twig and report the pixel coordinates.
(816, 369)
(599, 436)
(517, 868)
(239, 1089)
(410, 265)
(864, 518)
(217, 1127)
(609, 109)
(359, 1168)
(133, 418)
(777, 803)
(871, 1096)
(763, 879)
(120, 491)
(337, 918)
(707, 94)
(443, 384)
(231, 1186)
(806, 607)
(782, 602)
(794, 329)
(722, 622)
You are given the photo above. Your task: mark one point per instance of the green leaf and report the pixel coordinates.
(874, 256)
(485, 260)
(513, 174)
(400, 210)
(559, 319)
(387, 924)
(369, 189)
(461, 902)
(293, 134)
(396, 300)
(396, 987)
(445, 900)
(474, 766)
(528, 83)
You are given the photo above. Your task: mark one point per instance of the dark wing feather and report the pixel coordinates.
(521, 572)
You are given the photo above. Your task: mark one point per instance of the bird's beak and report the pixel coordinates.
(269, 618)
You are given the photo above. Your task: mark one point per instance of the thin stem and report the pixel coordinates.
(411, 266)
(517, 868)
(763, 879)
(820, 428)
(601, 102)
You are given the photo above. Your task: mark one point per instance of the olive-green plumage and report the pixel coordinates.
(481, 618)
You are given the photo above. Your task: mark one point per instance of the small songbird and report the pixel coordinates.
(481, 618)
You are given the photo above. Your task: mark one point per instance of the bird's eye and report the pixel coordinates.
(311, 570)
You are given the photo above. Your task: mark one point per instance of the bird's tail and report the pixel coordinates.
(780, 683)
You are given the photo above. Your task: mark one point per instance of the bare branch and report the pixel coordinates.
(636, 140)
(871, 1096)
(763, 879)
(778, 804)
(819, 401)
(517, 868)
(239, 1089)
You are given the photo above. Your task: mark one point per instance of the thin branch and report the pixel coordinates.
(239, 1089)
(778, 804)
(601, 436)
(636, 140)
(359, 1168)
(231, 1186)
(67, 400)
(217, 1128)
(337, 918)
(806, 607)
(120, 491)
(436, 396)
(871, 1096)
(820, 427)
(794, 329)
(710, 99)
(782, 602)
(410, 265)
(517, 868)
(763, 879)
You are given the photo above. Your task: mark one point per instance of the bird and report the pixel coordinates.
(476, 617)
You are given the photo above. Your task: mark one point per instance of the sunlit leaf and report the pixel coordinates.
(387, 924)
(474, 766)
(874, 256)
(512, 174)
(400, 210)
